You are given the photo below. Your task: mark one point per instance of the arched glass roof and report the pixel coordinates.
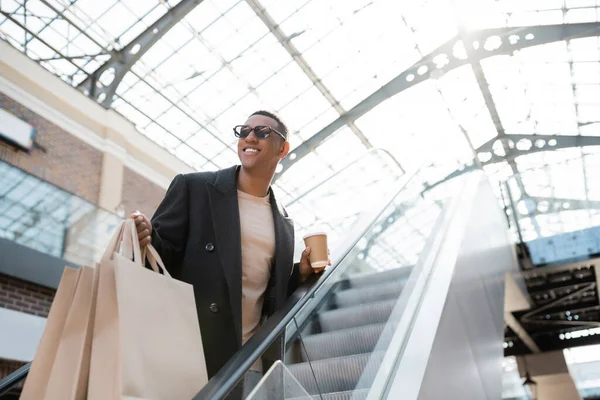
(446, 86)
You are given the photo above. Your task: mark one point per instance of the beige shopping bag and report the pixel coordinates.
(69, 375)
(104, 361)
(147, 342)
(39, 373)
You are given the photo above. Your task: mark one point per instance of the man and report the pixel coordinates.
(224, 233)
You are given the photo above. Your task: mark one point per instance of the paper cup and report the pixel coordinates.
(317, 241)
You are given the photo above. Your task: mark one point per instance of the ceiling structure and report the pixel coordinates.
(444, 86)
(451, 85)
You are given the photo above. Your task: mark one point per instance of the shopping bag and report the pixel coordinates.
(147, 342)
(69, 374)
(41, 366)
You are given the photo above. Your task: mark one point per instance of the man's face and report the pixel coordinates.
(261, 154)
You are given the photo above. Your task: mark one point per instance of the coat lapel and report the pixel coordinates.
(284, 250)
(226, 219)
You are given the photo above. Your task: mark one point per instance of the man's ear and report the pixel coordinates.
(284, 150)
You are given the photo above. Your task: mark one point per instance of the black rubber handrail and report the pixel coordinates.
(14, 379)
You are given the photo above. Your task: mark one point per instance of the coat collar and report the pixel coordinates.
(226, 179)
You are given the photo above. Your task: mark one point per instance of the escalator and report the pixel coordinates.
(372, 326)
(340, 341)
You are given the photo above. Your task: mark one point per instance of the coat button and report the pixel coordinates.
(214, 307)
(209, 247)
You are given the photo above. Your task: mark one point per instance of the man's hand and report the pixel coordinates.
(306, 269)
(144, 228)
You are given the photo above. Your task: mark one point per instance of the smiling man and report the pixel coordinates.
(224, 233)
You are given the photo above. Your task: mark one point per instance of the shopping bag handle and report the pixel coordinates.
(114, 243)
(131, 245)
(155, 262)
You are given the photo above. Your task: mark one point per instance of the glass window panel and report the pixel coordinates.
(224, 6)
(237, 115)
(593, 129)
(536, 18)
(205, 143)
(423, 131)
(300, 111)
(585, 49)
(284, 86)
(315, 122)
(587, 72)
(588, 112)
(203, 15)
(11, 5)
(225, 159)
(581, 15)
(204, 61)
(177, 35)
(117, 20)
(431, 24)
(39, 49)
(92, 8)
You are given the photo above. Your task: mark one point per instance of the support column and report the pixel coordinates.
(111, 183)
(550, 372)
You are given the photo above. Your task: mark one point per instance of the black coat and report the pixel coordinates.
(196, 230)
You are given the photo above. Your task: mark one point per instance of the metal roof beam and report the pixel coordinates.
(287, 44)
(122, 61)
(445, 58)
(517, 146)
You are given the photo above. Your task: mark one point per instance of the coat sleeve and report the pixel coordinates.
(170, 224)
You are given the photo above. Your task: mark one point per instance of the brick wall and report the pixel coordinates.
(68, 162)
(26, 297)
(140, 194)
(9, 366)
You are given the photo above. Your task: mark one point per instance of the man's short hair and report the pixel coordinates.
(281, 126)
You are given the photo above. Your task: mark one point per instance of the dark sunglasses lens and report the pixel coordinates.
(242, 131)
(262, 132)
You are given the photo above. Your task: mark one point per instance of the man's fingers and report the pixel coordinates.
(306, 252)
(142, 227)
(144, 234)
(146, 241)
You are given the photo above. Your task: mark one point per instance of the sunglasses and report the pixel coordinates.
(260, 131)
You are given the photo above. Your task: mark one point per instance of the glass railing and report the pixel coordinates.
(41, 216)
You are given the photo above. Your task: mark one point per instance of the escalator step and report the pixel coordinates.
(360, 394)
(380, 277)
(361, 295)
(338, 374)
(349, 317)
(342, 343)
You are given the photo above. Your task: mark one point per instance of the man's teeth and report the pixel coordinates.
(251, 151)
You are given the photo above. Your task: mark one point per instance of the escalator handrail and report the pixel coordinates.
(13, 379)
(224, 381)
